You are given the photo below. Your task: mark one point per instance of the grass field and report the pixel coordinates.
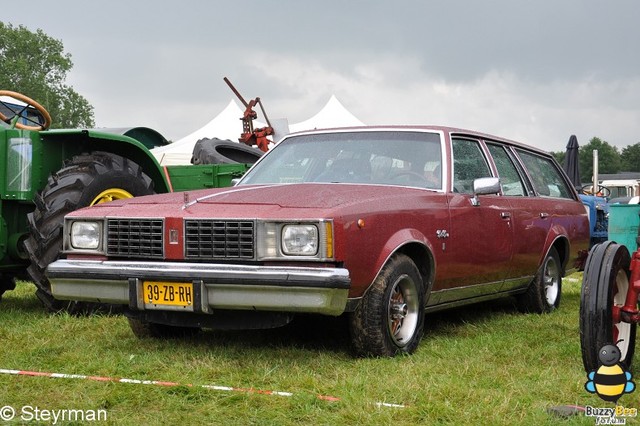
(486, 364)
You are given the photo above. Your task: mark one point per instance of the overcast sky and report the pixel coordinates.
(534, 71)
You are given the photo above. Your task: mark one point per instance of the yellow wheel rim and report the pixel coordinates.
(111, 194)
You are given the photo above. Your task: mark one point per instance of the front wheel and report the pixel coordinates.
(84, 181)
(390, 318)
(605, 283)
(544, 292)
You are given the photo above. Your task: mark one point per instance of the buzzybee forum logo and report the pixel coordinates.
(611, 380)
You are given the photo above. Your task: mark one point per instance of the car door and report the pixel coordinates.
(553, 205)
(530, 224)
(478, 251)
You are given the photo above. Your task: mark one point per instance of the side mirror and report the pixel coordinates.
(485, 186)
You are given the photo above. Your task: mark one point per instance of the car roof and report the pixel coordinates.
(452, 131)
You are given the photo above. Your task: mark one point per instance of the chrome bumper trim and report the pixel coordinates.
(243, 287)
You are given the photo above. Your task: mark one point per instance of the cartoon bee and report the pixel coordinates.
(610, 381)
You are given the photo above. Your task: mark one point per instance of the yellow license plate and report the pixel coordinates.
(167, 293)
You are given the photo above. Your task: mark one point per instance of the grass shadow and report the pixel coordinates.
(305, 332)
(21, 300)
(320, 333)
(443, 322)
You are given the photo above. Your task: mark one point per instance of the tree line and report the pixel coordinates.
(35, 64)
(610, 159)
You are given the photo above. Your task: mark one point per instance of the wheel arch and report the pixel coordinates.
(563, 248)
(77, 142)
(422, 256)
(417, 247)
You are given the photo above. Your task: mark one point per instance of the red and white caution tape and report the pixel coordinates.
(171, 384)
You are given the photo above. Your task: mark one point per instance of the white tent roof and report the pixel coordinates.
(334, 114)
(227, 125)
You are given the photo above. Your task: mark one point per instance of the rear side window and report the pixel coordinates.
(509, 177)
(469, 164)
(546, 178)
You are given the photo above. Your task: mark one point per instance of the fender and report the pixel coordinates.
(400, 240)
(84, 140)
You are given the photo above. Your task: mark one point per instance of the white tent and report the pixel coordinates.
(333, 114)
(227, 125)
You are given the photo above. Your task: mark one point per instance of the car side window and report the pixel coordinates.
(469, 164)
(546, 178)
(510, 179)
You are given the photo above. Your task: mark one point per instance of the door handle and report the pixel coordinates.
(544, 215)
(505, 215)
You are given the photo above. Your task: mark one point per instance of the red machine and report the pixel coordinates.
(251, 136)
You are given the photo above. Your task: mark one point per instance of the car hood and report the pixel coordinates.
(316, 196)
(257, 201)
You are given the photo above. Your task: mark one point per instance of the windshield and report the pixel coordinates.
(371, 157)
(618, 191)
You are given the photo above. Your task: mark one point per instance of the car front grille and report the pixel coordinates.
(135, 238)
(219, 239)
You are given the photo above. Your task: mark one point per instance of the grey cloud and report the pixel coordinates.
(576, 59)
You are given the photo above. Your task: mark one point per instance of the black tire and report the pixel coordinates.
(76, 185)
(144, 329)
(545, 291)
(390, 317)
(604, 284)
(218, 151)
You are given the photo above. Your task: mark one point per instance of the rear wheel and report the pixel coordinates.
(389, 319)
(605, 283)
(84, 181)
(545, 291)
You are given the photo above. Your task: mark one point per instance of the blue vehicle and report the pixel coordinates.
(598, 209)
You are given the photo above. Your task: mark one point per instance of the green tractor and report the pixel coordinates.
(45, 174)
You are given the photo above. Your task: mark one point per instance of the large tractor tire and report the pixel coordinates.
(605, 283)
(218, 151)
(85, 180)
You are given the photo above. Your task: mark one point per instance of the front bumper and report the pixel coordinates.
(216, 286)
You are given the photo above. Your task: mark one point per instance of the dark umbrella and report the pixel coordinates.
(571, 163)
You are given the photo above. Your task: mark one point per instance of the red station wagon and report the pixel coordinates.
(381, 224)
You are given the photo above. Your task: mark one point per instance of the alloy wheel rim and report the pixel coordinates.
(403, 311)
(551, 282)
